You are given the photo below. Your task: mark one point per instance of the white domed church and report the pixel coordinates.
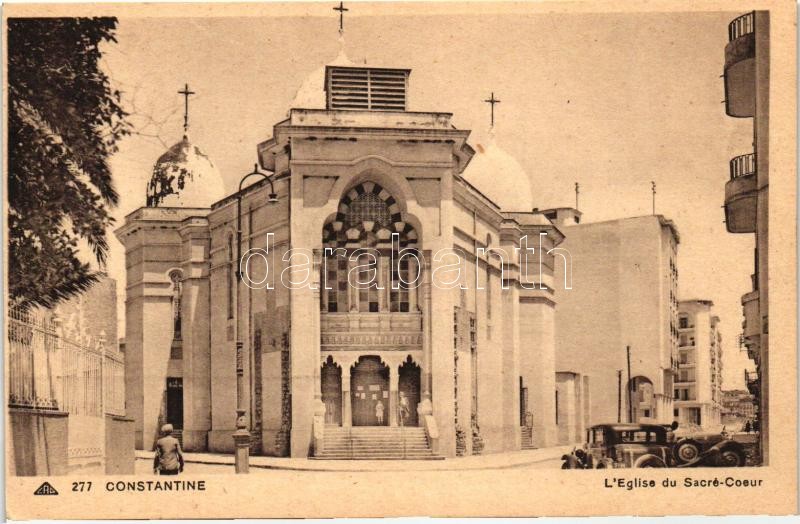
(383, 309)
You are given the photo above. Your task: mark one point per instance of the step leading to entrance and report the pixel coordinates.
(375, 443)
(527, 437)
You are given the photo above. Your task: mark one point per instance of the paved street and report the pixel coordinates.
(212, 463)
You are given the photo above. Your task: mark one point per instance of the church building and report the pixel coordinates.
(374, 281)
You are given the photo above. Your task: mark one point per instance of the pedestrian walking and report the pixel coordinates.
(403, 407)
(168, 459)
(379, 412)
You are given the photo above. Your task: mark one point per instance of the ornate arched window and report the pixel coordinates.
(363, 263)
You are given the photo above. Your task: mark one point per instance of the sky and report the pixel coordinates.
(612, 101)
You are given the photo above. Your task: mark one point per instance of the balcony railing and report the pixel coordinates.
(751, 312)
(741, 195)
(741, 26)
(377, 330)
(743, 165)
(742, 342)
(752, 381)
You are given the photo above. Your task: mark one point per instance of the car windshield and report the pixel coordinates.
(594, 436)
(641, 435)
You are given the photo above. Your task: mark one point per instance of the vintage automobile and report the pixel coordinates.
(622, 446)
(690, 446)
(649, 446)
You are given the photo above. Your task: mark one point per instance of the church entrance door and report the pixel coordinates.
(369, 388)
(409, 384)
(174, 413)
(332, 392)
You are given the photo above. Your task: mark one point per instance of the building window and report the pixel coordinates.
(400, 275)
(336, 283)
(175, 278)
(455, 328)
(368, 284)
(473, 348)
(683, 322)
(556, 407)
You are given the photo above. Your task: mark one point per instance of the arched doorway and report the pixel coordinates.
(409, 387)
(332, 392)
(641, 395)
(369, 387)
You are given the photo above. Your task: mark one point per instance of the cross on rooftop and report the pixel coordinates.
(341, 10)
(492, 101)
(185, 92)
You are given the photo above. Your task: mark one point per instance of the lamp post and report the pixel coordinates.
(241, 437)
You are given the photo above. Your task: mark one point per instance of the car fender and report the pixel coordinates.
(729, 444)
(649, 458)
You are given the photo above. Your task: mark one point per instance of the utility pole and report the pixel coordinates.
(619, 395)
(630, 405)
(653, 187)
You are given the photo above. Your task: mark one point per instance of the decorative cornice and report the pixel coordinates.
(359, 340)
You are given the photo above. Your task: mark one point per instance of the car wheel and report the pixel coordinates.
(731, 458)
(649, 461)
(687, 451)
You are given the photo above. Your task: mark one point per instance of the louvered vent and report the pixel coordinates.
(366, 89)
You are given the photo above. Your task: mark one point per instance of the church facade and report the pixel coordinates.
(369, 269)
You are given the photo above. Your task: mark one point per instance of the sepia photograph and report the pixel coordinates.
(399, 258)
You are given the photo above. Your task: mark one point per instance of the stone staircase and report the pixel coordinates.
(376, 443)
(527, 437)
(178, 434)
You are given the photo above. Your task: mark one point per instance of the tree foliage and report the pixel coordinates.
(64, 122)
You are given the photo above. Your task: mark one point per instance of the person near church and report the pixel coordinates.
(403, 407)
(168, 459)
(379, 412)
(747, 427)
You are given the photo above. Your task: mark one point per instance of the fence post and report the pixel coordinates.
(57, 391)
(102, 346)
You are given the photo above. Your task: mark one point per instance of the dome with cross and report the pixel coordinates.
(500, 177)
(311, 94)
(184, 176)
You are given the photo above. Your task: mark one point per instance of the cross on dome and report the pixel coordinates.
(185, 92)
(492, 100)
(341, 8)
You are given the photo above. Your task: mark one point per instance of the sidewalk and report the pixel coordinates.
(511, 459)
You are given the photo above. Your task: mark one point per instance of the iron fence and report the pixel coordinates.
(46, 370)
(32, 359)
